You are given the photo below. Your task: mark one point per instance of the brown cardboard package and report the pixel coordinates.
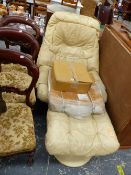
(74, 104)
(71, 77)
(115, 71)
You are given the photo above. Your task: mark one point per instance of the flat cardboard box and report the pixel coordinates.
(71, 77)
(73, 103)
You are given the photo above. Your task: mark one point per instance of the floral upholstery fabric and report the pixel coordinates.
(10, 67)
(12, 97)
(16, 130)
(16, 98)
(15, 67)
(15, 79)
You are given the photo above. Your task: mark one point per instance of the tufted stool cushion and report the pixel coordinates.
(73, 142)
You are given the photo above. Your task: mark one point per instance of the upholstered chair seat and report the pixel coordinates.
(15, 79)
(10, 67)
(16, 98)
(17, 133)
(16, 130)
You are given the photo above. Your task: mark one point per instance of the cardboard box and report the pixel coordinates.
(75, 104)
(71, 77)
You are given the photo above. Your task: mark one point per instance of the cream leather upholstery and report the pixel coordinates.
(71, 37)
(72, 141)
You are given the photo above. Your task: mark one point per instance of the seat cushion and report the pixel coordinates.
(10, 67)
(69, 37)
(67, 136)
(15, 79)
(16, 130)
(16, 98)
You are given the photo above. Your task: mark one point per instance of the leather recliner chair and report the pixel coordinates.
(72, 141)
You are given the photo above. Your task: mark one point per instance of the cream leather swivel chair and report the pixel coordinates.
(70, 37)
(72, 141)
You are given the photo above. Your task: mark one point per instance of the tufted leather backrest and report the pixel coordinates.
(71, 37)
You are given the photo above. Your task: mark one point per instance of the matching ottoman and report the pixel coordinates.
(73, 142)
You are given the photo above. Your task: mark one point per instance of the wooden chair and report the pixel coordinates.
(31, 26)
(39, 8)
(21, 20)
(44, 2)
(125, 10)
(65, 6)
(88, 8)
(16, 122)
(28, 45)
(70, 3)
(26, 41)
(17, 3)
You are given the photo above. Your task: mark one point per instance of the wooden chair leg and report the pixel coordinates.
(30, 158)
(7, 44)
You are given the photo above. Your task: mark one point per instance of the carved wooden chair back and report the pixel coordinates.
(23, 39)
(8, 56)
(70, 3)
(17, 3)
(21, 20)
